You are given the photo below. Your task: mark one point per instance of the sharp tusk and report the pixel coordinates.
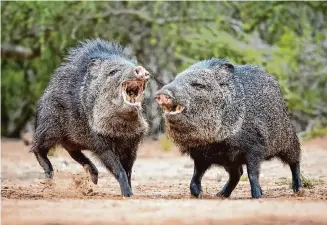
(140, 97)
(178, 110)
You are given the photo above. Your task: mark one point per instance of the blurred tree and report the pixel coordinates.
(288, 39)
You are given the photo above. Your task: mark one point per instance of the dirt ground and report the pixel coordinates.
(161, 191)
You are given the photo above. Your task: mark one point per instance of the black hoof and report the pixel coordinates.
(299, 192)
(296, 187)
(257, 193)
(127, 194)
(93, 174)
(196, 190)
(94, 178)
(48, 175)
(223, 194)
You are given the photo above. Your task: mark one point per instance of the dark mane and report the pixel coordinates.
(209, 63)
(96, 49)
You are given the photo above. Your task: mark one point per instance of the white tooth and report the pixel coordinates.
(123, 94)
(173, 113)
(179, 109)
(138, 100)
(140, 97)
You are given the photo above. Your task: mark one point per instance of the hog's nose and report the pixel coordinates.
(141, 73)
(164, 100)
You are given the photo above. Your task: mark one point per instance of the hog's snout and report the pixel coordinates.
(141, 73)
(164, 100)
(168, 104)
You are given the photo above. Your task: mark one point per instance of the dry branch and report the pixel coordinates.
(18, 52)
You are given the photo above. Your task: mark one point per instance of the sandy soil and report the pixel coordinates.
(161, 191)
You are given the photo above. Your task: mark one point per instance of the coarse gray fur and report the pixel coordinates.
(82, 109)
(233, 115)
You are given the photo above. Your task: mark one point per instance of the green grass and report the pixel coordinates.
(317, 131)
(306, 182)
(244, 178)
(310, 183)
(284, 181)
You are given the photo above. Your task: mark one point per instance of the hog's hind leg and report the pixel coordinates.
(292, 158)
(296, 177)
(235, 174)
(40, 147)
(76, 153)
(89, 167)
(253, 170)
(41, 156)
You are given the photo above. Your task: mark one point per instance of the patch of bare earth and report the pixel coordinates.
(161, 191)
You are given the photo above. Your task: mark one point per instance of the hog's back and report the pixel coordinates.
(266, 111)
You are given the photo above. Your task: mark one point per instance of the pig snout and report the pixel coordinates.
(164, 100)
(141, 73)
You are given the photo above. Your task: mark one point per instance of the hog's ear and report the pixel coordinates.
(227, 68)
(224, 72)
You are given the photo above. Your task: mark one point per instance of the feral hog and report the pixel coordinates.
(93, 102)
(227, 115)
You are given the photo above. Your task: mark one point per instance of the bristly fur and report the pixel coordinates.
(82, 108)
(207, 64)
(233, 115)
(91, 49)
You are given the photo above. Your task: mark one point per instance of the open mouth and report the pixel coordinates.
(173, 109)
(132, 92)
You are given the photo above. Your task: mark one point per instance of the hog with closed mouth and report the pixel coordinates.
(227, 115)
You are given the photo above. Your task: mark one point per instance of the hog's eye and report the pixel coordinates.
(197, 85)
(112, 72)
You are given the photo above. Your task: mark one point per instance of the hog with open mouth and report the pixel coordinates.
(93, 102)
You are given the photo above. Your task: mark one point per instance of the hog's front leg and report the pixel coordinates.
(200, 167)
(112, 163)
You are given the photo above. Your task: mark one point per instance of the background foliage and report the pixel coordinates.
(288, 39)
